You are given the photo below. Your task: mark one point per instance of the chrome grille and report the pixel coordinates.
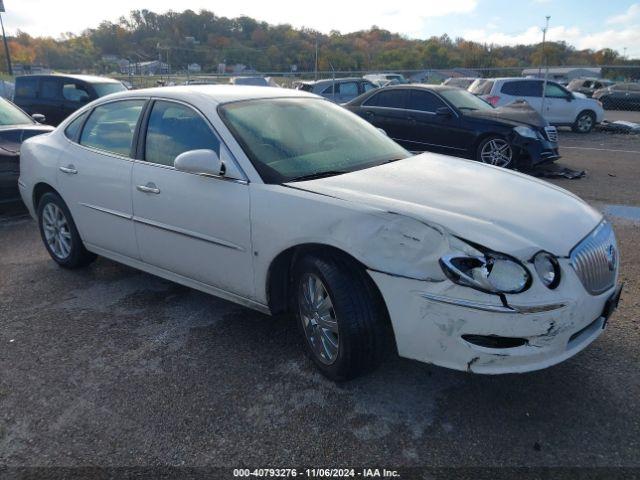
(595, 259)
(551, 133)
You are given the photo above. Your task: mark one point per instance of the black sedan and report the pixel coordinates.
(15, 127)
(453, 121)
(621, 96)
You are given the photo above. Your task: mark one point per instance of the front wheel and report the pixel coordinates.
(340, 315)
(59, 233)
(496, 151)
(584, 122)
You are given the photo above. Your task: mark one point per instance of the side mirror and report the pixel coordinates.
(443, 112)
(38, 117)
(200, 162)
(382, 131)
(570, 97)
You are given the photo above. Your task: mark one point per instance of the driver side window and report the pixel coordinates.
(174, 129)
(75, 93)
(554, 91)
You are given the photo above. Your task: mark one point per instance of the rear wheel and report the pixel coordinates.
(496, 151)
(59, 233)
(340, 315)
(584, 123)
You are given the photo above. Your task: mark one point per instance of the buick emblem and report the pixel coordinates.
(611, 257)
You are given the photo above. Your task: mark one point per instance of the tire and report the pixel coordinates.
(584, 123)
(495, 150)
(59, 233)
(357, 311)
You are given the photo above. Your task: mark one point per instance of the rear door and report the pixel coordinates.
(26, 94)
(192, 225)
(387, 110)
(528, 90)
(94, 175)
(50, 100)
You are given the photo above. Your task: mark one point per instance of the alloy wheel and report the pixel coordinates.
(585, 123)
(318, 318)
(497, 152)
(56, 231)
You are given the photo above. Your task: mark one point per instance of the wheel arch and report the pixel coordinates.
(39, 190)
(278, 278)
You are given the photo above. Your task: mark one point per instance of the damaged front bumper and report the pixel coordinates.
(464, 329)
(531, 152)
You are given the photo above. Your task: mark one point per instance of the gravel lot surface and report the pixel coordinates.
(110, 366)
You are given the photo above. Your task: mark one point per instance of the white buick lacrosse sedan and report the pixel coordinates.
(284, 202)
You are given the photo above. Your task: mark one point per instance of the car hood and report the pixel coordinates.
(514, 114)
(500, 209)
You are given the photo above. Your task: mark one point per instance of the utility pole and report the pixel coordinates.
(546, 62)
(544, 41)
(4, 38)
(316, 68)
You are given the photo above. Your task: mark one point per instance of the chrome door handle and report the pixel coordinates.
(148, 188)
(70, 169)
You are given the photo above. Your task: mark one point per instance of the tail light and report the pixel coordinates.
(493, 99)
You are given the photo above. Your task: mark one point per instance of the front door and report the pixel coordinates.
(557, 105)
(94, 176)
(192, 225)
(430, 131)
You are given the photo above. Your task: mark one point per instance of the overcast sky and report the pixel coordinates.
(584, 23)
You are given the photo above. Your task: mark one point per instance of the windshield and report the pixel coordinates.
(463, 100)
(103, 89)
(12, 115)
(288, 139)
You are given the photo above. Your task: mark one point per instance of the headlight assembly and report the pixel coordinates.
(547, 268)
(491, 272)
(526, 132)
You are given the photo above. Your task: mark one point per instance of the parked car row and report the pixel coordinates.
(287, 203)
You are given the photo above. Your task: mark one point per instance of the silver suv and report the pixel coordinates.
(560, 107)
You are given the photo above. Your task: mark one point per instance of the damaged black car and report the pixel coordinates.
(452, 121)
(15, 127)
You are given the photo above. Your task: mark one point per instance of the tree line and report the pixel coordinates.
(181, 38)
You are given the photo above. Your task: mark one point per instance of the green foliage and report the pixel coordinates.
(208, 39)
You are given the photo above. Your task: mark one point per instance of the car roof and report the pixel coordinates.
(214, 93)
(332, 80)
(420, 86)
(83, 78)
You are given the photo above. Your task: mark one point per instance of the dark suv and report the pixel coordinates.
(57, 96)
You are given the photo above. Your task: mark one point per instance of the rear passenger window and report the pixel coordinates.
(110, 127)
(523, 88)
(350, 88)
(73, 129)
(388, 98)
(26, 87)
(174, 129)
(424, 101)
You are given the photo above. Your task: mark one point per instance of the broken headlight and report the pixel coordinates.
(491, 272)
(547, 269)
(526, 132)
